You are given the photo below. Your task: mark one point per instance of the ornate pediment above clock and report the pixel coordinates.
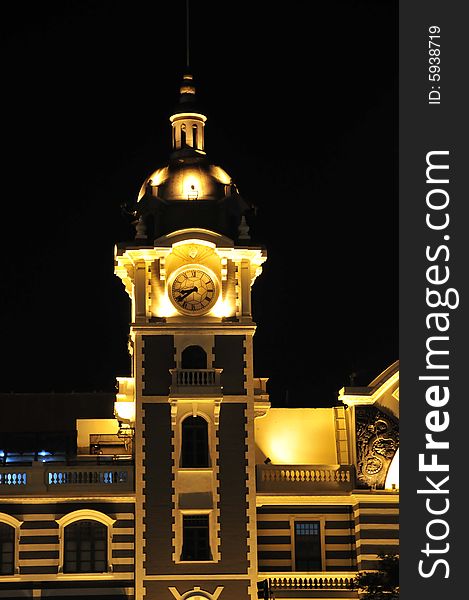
(194, 235)
(193, 252)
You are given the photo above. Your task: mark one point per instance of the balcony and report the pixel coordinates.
(304, 479)
(280, 585)
(39, 479)
(188, 383)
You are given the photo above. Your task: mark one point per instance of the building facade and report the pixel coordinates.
(192, 486)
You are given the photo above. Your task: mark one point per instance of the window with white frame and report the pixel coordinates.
(308, 555)
(85, 547)
(194, 444)
(195, 538)
(85, 538)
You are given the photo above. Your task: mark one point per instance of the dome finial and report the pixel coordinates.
(187, 87)
(243, 229)
(187, 121)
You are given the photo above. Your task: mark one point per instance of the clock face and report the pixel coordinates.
(193, 291)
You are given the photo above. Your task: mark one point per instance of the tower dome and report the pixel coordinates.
(190, 191)
(186, 179)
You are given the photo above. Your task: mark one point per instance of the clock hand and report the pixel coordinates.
(185, 293)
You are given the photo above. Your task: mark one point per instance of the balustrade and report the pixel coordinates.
(87, 477)
(40, 478)
(311, 581)
(195, 377)
(312, 477)
(13, 479)
(189, 382)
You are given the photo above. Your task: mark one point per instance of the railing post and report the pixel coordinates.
(37, 482)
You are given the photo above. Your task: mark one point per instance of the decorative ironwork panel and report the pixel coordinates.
(377, 443)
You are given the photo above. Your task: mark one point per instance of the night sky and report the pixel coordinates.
(301, 100)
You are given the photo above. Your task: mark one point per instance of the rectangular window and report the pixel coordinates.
(7, 549)
(195, 537)
(307, 546)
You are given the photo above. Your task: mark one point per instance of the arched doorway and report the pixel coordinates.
(194, 357)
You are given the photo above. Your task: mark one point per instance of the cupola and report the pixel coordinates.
(187, 122)
(190, 190)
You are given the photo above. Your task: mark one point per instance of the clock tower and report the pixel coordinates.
(192, 395)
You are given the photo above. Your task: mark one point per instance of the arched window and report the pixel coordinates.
(194, 136)
(193, 357)
(183, 135)
(7, 549)
(85, 547)
(194, 448)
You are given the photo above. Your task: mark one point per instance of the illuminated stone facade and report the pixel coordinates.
(195, 488)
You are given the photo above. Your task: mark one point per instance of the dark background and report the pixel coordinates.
(301, 100)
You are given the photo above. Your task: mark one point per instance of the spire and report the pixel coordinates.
(187, 36)
(187, 122)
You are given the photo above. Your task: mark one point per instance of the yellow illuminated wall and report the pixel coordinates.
(296, 436)
(86, 427)
(392, 478)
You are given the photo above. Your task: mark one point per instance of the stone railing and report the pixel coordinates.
(310, 581)
(16, 478)
(304, 478)
(77, 476)
(42, 478)
(195, 382)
